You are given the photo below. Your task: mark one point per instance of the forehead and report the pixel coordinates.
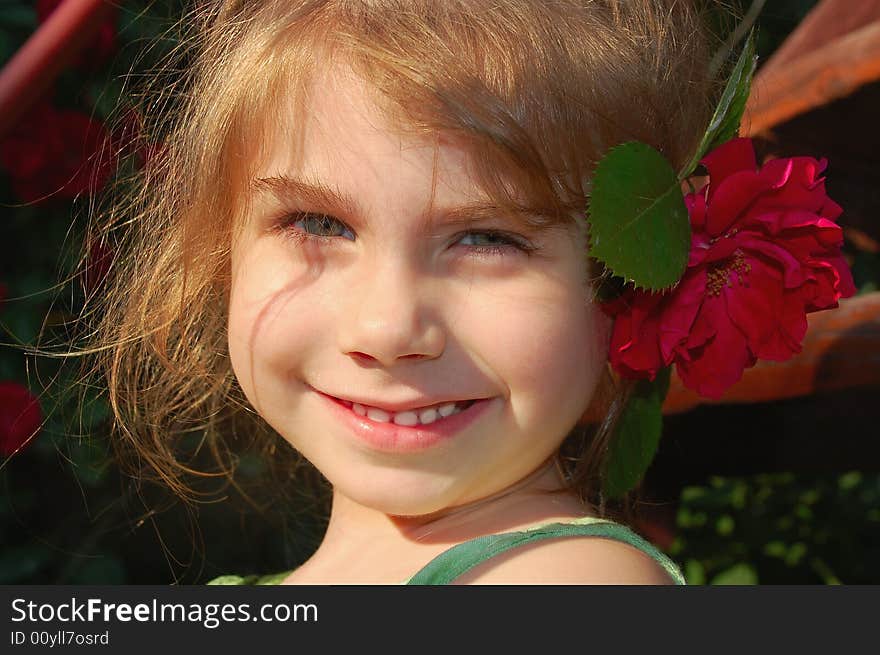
(342, 135)
(339, 138)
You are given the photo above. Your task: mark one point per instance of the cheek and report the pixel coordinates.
(240, 322)
(262, 337)
(544, 342)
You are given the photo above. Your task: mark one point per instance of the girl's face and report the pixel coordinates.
(351, 281)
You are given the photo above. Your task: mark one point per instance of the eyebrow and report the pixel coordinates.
(327, 199)
(318, 194)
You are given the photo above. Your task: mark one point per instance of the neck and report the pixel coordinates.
(527, 501)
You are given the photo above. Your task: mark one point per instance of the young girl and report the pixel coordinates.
(366, 232)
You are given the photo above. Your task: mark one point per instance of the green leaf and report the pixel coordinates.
(739, 574)
(637, 436)
(639, 225)
(728, 114)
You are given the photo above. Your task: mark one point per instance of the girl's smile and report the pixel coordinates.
(407, 430)
(377, 290)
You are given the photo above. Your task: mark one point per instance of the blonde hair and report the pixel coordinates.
(537, 90)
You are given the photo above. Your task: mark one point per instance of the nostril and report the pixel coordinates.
(369, 358)
(362, 356)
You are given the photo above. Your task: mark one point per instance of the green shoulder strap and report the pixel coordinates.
(459, 559)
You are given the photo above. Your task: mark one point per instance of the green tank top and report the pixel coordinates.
(459, 559)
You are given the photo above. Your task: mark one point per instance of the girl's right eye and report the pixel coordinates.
(302, 226)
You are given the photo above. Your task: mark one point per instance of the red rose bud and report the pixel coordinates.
(20, 417)
(765, 251)
(55, 152)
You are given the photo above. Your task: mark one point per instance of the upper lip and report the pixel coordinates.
(404, 405)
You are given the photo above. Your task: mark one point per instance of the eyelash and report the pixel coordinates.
(285, 226)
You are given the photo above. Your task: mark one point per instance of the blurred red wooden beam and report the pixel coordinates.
(28, 75)
(841, 350)
(834, 51)
(827, 21)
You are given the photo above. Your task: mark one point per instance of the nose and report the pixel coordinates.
(388, 316)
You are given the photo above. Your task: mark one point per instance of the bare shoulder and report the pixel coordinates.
(570, 560)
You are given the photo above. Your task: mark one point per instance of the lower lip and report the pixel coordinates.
(391, 437)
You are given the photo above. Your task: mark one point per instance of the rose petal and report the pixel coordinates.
(775, 222)
(789, 330)
(634, 350)
(680, 312)
(731, 199)
(696, 206)
(729, 158)
(753, 301)
(763, 251)
(830, 281)
(720, 363)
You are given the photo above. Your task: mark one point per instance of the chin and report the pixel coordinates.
(401, 493)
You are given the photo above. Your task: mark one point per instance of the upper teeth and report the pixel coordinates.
(409, 417)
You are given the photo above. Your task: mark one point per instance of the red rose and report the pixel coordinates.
(56, 152)
(20, 417)
(104, 44)
(765, 251)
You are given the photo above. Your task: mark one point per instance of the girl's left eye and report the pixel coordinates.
(496, 242)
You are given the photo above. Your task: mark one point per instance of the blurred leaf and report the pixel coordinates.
(866, 271)
(690, 494)
(850, 480)
(776, 549)
(725, 525)
(724, 124)
(824, 571)
(638, 433)
(795, 553)
(694, 573)
(803, 512)
(740, 574)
